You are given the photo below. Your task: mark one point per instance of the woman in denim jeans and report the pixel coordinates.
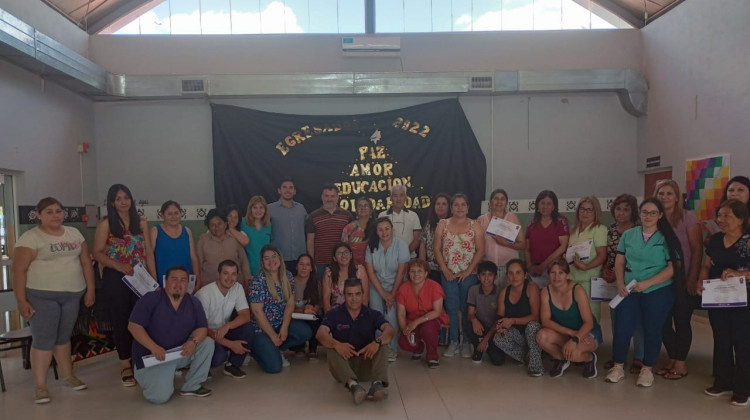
(459, 247)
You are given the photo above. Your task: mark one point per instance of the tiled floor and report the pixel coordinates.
(458, 389)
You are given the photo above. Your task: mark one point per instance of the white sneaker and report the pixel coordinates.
(615, 375)
(452, 349)
(284, 361)
(645, 379)
(466, 352)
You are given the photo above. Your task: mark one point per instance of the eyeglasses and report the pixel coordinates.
(645, 213)
(343, 254)
(586, 209)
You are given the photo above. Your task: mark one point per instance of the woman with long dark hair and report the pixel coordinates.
(120, 243)
(649, 255)
(546, 237)
(342, 267)
(308, 298)
(440, 208)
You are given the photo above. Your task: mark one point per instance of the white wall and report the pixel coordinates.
(41, 127)
(565, 143)
(696, 60)
(262, 54)
(49, 22)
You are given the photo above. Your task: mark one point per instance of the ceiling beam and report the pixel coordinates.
(623, 13)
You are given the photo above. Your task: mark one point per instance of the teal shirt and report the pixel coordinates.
(644, 259)
(258, 239)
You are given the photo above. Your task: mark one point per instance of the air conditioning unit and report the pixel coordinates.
(371, 46)
(191, 87)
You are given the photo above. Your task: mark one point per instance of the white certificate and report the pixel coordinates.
(172, 354)
(712, 226)
(582, 249)
(504, 229)
(617, 299)
(601, 290)
(141, 281)
(728, 293)
(304, 317)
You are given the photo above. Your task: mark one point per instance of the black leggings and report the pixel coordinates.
(677, 335)
(121, 301)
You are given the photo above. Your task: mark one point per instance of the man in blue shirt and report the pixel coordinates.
(169, 323)
(350, 330)
(288, 224)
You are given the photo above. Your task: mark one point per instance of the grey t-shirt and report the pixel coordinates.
(486, 305)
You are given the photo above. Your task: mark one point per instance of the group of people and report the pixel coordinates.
(364, 286)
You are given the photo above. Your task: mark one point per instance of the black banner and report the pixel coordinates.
(428, 148)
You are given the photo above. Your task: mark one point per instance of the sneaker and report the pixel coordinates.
(558, 367)
(358, 393)
(466, 352)
(75, 383)
(416, 356)
(715, 391)
(477, 357)
(200, 392)
(536, 373)
(433, 364)
(615, 375)
(452, 349)
(284, 360)
(645, 378)
(377, 391)
(739, 400)
(589, 368)
(42, 396)
(234, 371)
(392, 355)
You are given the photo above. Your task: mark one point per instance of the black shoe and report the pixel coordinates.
(358, 393)
(377, 391)
(200, 392)
(558, 367)
(477, 357)
(589, 368)
(433, 364)
(234, 371)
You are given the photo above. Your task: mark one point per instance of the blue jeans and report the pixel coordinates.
(157, 382)
(268, 355)
(455, 301)
(243, 332)
(391, 315)
(649, 310)
(637, 338)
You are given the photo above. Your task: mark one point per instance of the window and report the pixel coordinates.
(348, 16)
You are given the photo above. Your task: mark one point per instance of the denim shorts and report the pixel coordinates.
(596, 334)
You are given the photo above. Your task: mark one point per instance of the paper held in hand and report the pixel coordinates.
(172, 354)
(729, 293)
(504, 229)
(601, 290)
(304, 317)
(617, 299)
(141, 281)
(582, 249)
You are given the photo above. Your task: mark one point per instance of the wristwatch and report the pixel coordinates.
(379, 341)
(575, 339)
(194, 341)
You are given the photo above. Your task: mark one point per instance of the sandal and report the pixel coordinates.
(127, 380)
(635, 368)
(661, 372)
(674, 375)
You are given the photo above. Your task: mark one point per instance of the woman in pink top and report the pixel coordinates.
(498, 249)
(546, 237)
(677, 339)
(459, 247)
